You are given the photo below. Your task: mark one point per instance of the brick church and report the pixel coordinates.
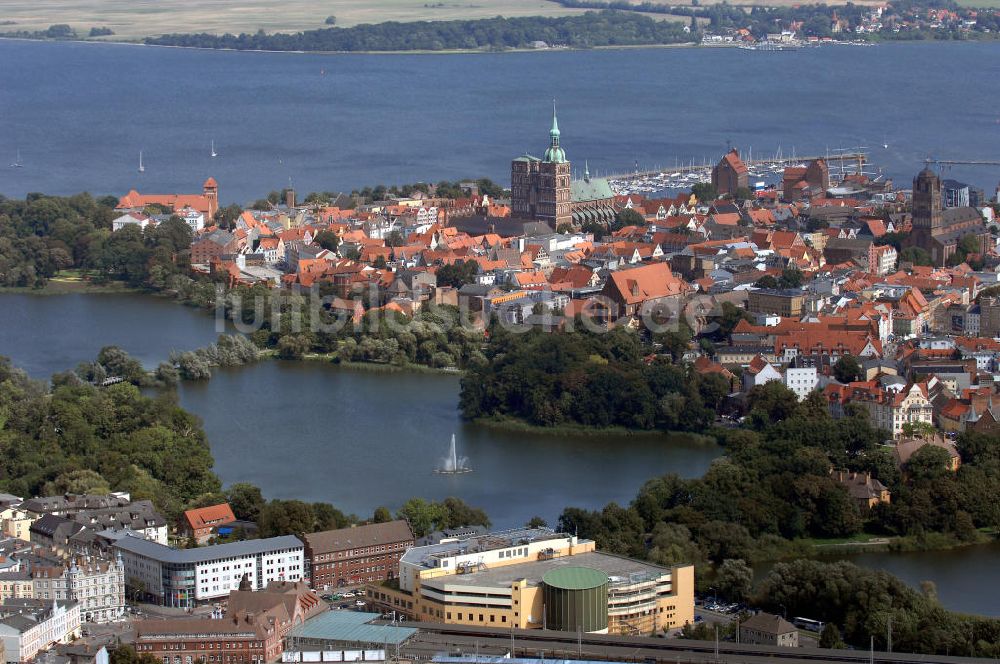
(543, 189)
(938, 230)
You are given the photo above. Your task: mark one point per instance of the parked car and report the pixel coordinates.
(360, 602)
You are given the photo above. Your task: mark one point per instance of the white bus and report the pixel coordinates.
(809, 624)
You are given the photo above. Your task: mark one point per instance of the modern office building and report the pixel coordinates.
(187, 577)
(534, 578)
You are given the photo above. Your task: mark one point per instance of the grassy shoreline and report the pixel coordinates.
(57, 286)
(511, 424)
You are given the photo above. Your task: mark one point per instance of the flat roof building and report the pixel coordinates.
(186, 577)
(348, 556)
(514, 578)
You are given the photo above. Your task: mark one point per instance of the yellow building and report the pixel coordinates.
(787, 303)
(16, 522)
(15, 585)
(496, 580)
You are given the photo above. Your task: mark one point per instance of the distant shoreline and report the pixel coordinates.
(556, 49)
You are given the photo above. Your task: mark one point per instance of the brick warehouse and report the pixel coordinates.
(350, 556)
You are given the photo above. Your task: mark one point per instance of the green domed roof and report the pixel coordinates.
(555, 155)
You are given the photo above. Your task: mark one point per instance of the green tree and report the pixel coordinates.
(382, 515)
(771, 402)
(423, 516)
(286, 517)
(847, 369)
(327, 239)
(457, 274)
(293, 347)
(767, 281)
(915, 255)
(791, 277)
(705, 192)
(628, 217)
(79, 482)
(830, 637)
(246, 500)
(734, 579)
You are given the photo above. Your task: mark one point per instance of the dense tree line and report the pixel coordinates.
(860, 603)
(589, 379)
(74, 436)
(289, 323)
(230, 350)
(41, 235)
(426, 516)
(773, 489)
(604, 28)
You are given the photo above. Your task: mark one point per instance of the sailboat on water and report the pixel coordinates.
(17, 160)
(214, 153)
(142, 169)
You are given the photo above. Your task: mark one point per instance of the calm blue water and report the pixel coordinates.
(80, 113)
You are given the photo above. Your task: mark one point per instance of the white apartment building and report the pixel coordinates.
(131, 219)
(188, 577)
(801, 380)
(193, 218)
(28, 626)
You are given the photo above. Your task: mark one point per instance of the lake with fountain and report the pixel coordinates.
(360, 439)
(453, 464)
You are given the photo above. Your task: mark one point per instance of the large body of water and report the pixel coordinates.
(80, 113)
(360, 439)
(354, 438)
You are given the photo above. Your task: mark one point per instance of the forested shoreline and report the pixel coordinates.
(589, 30)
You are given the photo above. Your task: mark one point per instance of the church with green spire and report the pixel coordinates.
(543, 189)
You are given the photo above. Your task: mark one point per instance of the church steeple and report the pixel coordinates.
(554, 154)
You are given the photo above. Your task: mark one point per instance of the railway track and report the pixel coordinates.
(568, 645)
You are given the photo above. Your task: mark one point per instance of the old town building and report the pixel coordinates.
(939, 230)
(730, 174)
(361, 554)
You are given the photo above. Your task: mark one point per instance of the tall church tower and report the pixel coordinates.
(554, 202)
(927, 205)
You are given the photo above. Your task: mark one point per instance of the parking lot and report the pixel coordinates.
(346, 599)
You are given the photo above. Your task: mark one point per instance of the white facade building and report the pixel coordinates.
(801, 380)
(28, 626)
(131, 219)
(187, 577)
(193, 218)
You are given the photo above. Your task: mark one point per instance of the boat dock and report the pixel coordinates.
(841, 162)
